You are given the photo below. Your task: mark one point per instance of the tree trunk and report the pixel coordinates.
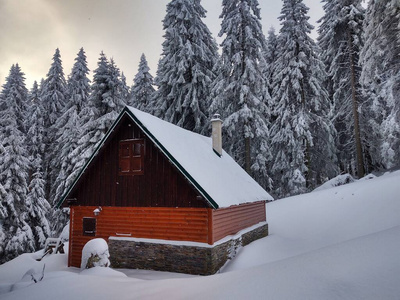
(357, 133)
(247, 140)
(247, 155)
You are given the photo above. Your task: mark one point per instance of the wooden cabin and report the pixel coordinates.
(164, 198)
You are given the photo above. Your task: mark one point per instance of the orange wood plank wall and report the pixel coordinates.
(202, 225)
(180, 224)
(228, 221)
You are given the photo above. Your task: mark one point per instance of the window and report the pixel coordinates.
(89, 226)
(131, 157)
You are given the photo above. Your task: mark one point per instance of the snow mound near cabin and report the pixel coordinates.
(95, 254)
(341, 180)
(336, 181)
(103, 272)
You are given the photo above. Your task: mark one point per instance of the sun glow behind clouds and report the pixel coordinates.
(30, 29)
(124, 29)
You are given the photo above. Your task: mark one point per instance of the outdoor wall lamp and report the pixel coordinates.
(97, 211)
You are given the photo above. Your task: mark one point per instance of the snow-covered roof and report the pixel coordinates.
(220, 180)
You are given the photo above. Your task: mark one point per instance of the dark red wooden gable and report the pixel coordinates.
(131, 157)
(157, 184)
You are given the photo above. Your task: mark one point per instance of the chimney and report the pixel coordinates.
(216, 134)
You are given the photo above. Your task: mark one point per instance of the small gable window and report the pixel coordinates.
(131, 157)
(89, 226)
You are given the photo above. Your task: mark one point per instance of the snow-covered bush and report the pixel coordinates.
(64, 236)
(95, 254)
(337, 181)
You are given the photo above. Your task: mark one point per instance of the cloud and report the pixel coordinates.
(123, 29)
(30, 31)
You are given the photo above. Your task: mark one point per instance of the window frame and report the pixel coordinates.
(85, 225)
(132, 159)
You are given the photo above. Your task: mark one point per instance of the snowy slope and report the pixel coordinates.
(339, 243)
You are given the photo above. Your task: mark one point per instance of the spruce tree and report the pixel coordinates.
(142, 89)
(270, 55)
(105, 103)
(53, 94)
(380, 77)
(17, 234)
(53, 97)
(302, 137)
(79, 83)
(15, 88)
(240, 90)
(36, 202)
(69, 125)
(124, 89)
(3, 212)
(341, 40)
(184, 72)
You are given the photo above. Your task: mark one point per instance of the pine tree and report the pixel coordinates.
(184, 72)
(69, 124)
(105, 103)
(302, 137)
(240, 90)
(3, 212)
(36, 202)
(114, 99)
(53, 93)
(53, 97)
(142, 89)
(270, 55)
(15, 88)
(341, 41)
(124, 89)
(79, 83)
(16, 233)
(380, 77)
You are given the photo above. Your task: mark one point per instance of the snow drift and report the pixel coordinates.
(338, 243)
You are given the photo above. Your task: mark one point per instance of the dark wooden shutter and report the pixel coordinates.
(89, 226)
(131, 157)
(124, 157)
(136, 158)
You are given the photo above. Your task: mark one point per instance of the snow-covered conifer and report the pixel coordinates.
(142, 89)
(270, 55)
(53, 95)
(105, 103)
(69, 125)
(79, 83)
(124, 89)
(380, 77)
(54, 91)
(185, 70)
(14, 167)
(15, 87)
(341, 40)
(302, 137)
(240, 91)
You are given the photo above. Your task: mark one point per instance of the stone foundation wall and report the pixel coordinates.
(197, 260)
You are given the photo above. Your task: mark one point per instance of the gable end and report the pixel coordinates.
(157, 144)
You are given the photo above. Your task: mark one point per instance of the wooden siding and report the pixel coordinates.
(179, 224)
(161, 184)
(227, 221)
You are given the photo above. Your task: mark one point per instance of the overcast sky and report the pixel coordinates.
(31, 30)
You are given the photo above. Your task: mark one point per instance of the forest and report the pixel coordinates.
(296, 111)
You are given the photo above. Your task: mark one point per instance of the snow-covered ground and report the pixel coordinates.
(336, 243)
